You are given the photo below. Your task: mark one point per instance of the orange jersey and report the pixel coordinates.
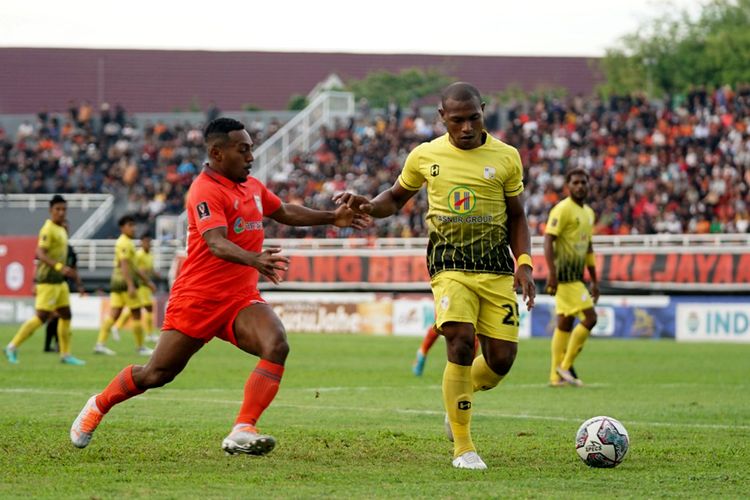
(214, 201)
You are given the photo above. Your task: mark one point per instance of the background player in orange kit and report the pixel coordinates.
(215, 294)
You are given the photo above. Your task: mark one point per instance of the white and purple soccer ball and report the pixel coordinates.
(602, 442)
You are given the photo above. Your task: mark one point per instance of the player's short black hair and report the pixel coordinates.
(56, 199)
(125, 219)
(576, 171)
(147, 234)
(460, 91)
(220, 128)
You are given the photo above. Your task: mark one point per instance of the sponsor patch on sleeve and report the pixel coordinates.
(553, 224)
(203, 211)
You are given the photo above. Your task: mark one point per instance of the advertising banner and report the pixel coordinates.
(406, 269)
(17, 265)
(617, 316)
(713, 322)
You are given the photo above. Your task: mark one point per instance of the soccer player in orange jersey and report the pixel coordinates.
(215, 294)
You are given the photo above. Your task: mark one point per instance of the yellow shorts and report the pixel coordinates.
(51, 297)
(118, 300)
(485, 300)
(145, 296)
(572, 298)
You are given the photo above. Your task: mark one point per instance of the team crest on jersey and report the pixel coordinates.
(462, 200)
(489, 173)
(435, 170)
(258, 203)
(203, 211)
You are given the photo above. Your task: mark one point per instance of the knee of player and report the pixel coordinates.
(278, 351)
(501, 362)
(590, 319)
(155, 377)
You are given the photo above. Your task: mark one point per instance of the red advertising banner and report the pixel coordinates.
(17, 265)
(659, 271)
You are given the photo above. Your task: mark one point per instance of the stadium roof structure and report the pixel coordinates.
(35, 79)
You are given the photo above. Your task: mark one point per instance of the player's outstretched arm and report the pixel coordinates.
(266, 262)
(383, 205)
(297, 215)
(520, 244)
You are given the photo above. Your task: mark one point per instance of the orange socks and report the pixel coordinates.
(121, 387)
(428, 340)
(260, 389)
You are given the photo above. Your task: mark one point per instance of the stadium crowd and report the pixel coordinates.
(680, 166)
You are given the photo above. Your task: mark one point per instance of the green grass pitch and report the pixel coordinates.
(352, 421)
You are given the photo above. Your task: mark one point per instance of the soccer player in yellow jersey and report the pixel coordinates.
(567, 250)
(144, 261)
(126, 277)
(52, 292)
(475, 219)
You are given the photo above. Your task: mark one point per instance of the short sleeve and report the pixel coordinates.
(514, 180)
(123, 249)
(411, 178)
(45, 237)
(271, 202)
(206, 207)
(554, 221)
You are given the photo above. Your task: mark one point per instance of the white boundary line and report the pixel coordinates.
(281, 404)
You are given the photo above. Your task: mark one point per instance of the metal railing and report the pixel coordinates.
(41, 201)
(96, 220)
(99, 255)
(301, 132)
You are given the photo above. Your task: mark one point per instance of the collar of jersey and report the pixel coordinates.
(213, 174)
(486, 141)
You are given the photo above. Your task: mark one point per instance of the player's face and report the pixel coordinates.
(128, 229)
(57, 213)
(146, 244)
(464, 121)
(578, 185)
(237, 156)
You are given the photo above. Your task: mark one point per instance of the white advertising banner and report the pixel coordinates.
(713, 322)
(86, 311)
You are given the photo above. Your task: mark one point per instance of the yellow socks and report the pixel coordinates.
(575, 344)
(104, 330)
(457, 396)
(148, 321)
(482, 376)
(63, 336)
(26, 330)
(138, 333)
(558, 346)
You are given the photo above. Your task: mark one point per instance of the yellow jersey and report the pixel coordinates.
(573, 225)
(144, 262)
(54, 240)
(124, 250)
(467, 217)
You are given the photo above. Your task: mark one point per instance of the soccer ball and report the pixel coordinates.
(602, 442)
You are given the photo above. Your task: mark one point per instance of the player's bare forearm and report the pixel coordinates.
(385, 204)
(549, 254)
(297, 215)
(226, 250)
